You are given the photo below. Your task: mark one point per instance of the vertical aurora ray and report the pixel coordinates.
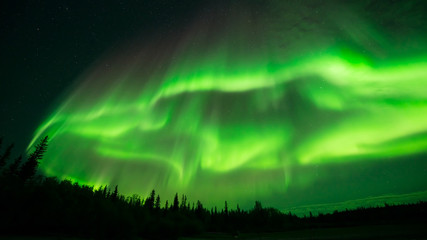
(249, 102)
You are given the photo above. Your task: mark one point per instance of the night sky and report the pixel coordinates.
(303, 105)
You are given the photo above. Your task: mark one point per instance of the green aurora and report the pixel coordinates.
(289, 103)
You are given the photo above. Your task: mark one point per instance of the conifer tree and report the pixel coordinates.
(258, 206)
(29, 168)
(5, 156)
(157, 203)
(149, 202)
(167, 205)
(199, 206)
(13, 168)
(175, 205)
(115, 194)
(104, 192)
(183, 202)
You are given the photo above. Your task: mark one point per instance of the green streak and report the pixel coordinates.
(243, 112)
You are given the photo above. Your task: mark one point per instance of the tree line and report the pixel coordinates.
(37, 205)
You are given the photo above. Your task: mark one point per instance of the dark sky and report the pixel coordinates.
(45, 45)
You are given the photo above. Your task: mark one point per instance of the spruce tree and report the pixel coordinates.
(13, 168)
(167, 205)
(115, 194)
(149, 203)
(157, 203)
(183, 202)
(29, 168)
(175, 205)
(104, 192)
(5, 156)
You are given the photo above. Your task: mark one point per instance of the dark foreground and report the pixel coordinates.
(390, 232)
(414, 232)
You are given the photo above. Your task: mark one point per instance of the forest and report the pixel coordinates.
(37, 205)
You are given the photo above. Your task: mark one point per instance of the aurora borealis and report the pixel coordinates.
(286, 102)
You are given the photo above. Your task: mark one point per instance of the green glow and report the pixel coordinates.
(229, 113)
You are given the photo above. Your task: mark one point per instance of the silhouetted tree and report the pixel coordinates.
(115, 194)
(29, 168)
(157, 203)
(258, 206)
(226, 208)
(183, 202)
(13, 168)
(175, 205)
(199, 210)
(166, 205)
(5, 156)
(105, 192)
(149, 202)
